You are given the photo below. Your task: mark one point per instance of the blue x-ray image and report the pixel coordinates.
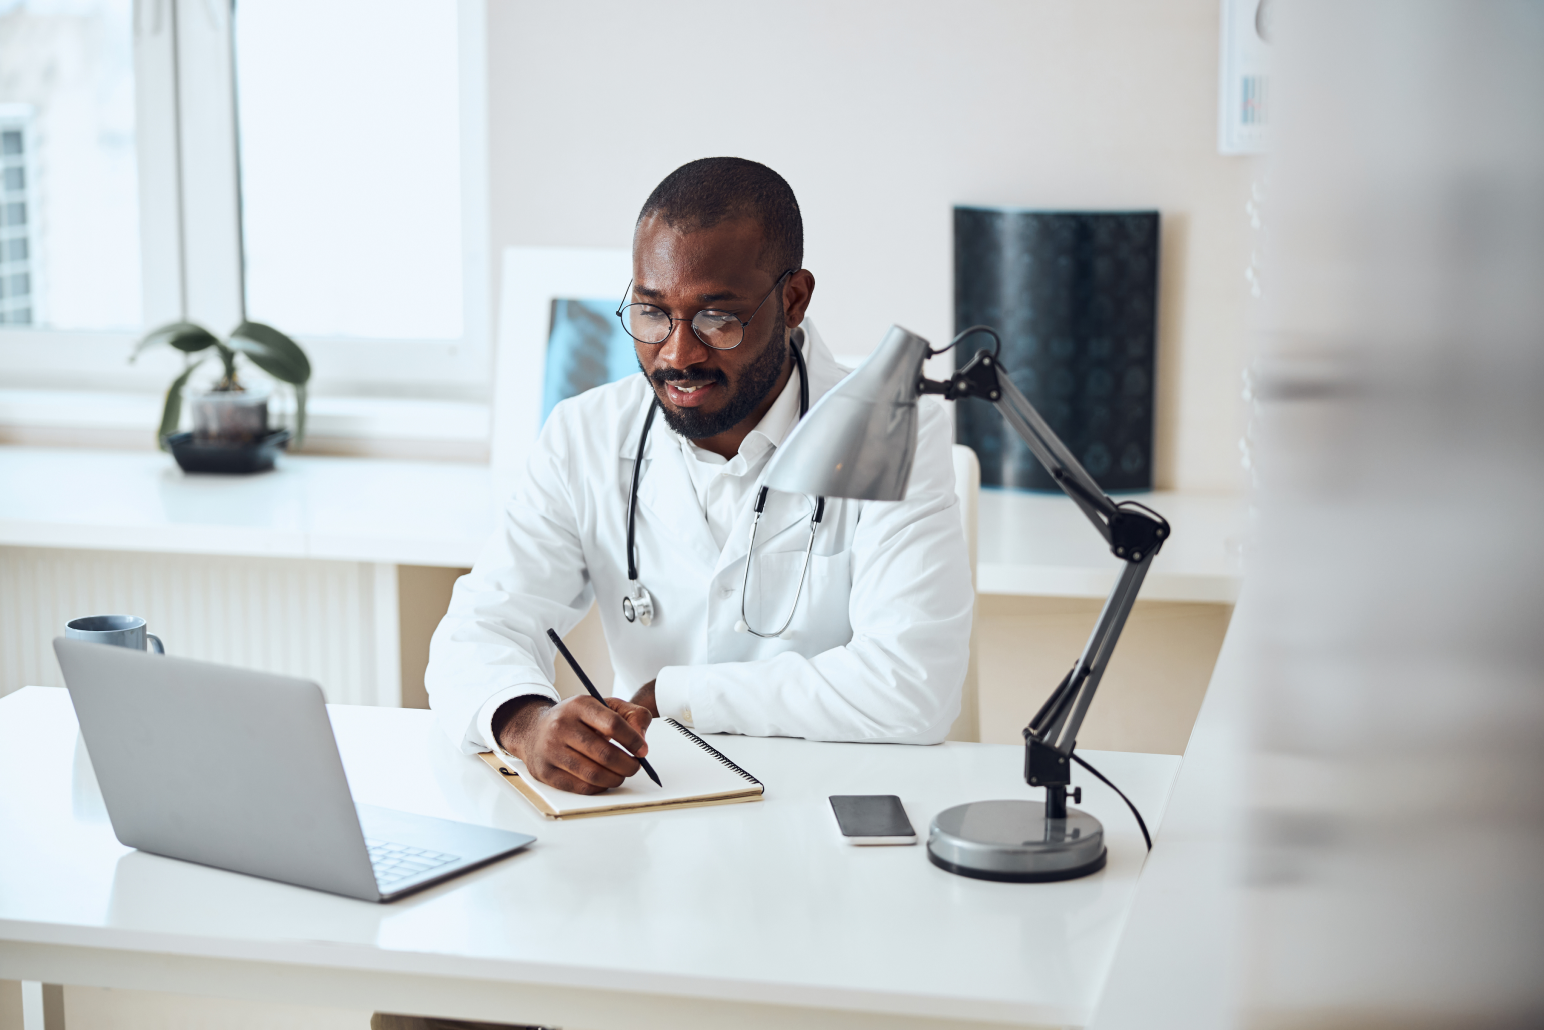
(587, 347)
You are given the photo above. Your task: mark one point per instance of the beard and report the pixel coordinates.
(755, 383)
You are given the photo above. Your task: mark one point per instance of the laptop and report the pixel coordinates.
(240, 770)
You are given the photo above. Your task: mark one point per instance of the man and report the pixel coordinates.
(875, 647)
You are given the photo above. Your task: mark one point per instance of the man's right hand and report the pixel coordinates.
(568, 744)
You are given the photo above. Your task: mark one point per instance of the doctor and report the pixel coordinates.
(876, 596)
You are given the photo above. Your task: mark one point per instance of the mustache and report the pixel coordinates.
(675, 375)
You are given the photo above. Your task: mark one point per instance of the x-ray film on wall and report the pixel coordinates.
(586, 348)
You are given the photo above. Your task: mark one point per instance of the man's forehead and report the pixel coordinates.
(721, 259)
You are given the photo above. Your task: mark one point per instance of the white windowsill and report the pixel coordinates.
(422, 513)
(366, 426)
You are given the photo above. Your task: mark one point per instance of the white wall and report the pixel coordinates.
(883, 116)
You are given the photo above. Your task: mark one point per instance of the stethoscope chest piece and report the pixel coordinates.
(638, 606)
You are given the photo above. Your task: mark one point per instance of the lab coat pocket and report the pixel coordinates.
(820, 620)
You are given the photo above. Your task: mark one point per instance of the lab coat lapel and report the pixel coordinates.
(783, 512)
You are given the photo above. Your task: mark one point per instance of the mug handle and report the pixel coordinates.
(153, 643)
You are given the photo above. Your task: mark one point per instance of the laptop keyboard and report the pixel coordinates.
(396, 862)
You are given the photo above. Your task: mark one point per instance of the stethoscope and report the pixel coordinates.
(638, 606)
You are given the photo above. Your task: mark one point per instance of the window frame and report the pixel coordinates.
(190, 243)
(18, 118)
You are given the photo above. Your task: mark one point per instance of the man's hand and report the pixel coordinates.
(644, 698)
(568, 744)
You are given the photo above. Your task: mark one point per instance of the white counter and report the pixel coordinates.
(1042, 544)
(427, 513)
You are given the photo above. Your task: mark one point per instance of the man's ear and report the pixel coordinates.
(797, 292)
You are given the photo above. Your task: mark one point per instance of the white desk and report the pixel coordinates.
(747, 915)
(427, 513)
(1180, 962)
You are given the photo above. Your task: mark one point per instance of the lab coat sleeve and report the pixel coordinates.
(898, 680)
(492, 645)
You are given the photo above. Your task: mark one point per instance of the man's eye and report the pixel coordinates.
(645, 313)
(714, 319)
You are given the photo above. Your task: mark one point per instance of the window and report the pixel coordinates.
(351, 166)
(316, 165)
(69, 214)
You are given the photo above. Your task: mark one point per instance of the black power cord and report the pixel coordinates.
(997, 351)
(1123, 797)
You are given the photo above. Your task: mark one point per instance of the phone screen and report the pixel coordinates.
(872, 819)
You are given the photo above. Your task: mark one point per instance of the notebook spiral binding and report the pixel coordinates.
(715, 752)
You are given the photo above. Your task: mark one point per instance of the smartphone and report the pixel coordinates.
(872, 819)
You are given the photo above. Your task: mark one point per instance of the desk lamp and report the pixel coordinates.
(858, 441)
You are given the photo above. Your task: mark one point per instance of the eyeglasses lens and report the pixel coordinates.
(718, 329)
(649, 324)
(646, 323)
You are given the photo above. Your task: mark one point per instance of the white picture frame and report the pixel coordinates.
(531, 279)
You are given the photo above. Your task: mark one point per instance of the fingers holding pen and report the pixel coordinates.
(574, 749)
(619, 721)
(605, 723)
(598, 749)
(581, 769)
(636, 716)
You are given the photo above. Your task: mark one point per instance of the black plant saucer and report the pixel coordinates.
(256, 456)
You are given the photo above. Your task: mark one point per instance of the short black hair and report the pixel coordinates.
(703, 193)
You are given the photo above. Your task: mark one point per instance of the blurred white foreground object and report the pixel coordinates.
(1396, 846)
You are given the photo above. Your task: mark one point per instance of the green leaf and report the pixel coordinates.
(271, 351)
(171, 415)
(300, 415)
(185, 336)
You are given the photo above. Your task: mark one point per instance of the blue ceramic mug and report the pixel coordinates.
(118, 630)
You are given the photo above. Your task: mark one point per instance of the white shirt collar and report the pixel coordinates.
(767, 435)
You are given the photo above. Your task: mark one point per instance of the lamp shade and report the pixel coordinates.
(860, 438)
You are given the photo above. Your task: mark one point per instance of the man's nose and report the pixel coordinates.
(682, 348)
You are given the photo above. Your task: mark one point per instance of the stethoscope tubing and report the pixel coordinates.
(638, 604)
(744, 625)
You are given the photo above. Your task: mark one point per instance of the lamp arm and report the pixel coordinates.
(1134, 534)
(1056, 724)
(985, 378)
(1049, 450)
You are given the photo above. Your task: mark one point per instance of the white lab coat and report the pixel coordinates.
(879, 642)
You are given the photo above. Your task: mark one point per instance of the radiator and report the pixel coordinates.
(333, 622)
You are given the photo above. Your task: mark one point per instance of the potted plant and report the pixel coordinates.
(230, 421)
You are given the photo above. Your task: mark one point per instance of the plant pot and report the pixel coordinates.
(230, 417)
(240, 458)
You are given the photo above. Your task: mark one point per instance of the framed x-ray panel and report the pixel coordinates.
(558, 336)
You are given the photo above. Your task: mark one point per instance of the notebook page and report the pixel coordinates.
(686, 771)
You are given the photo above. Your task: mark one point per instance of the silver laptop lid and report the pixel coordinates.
(225, 767)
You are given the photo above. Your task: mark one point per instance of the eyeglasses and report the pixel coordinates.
(721, 330)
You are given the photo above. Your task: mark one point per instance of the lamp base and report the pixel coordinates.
(1012, 841)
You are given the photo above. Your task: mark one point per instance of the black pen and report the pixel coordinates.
(596, 695)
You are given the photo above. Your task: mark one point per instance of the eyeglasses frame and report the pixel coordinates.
(691, 321)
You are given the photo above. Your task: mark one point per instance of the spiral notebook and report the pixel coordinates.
(693, 772)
